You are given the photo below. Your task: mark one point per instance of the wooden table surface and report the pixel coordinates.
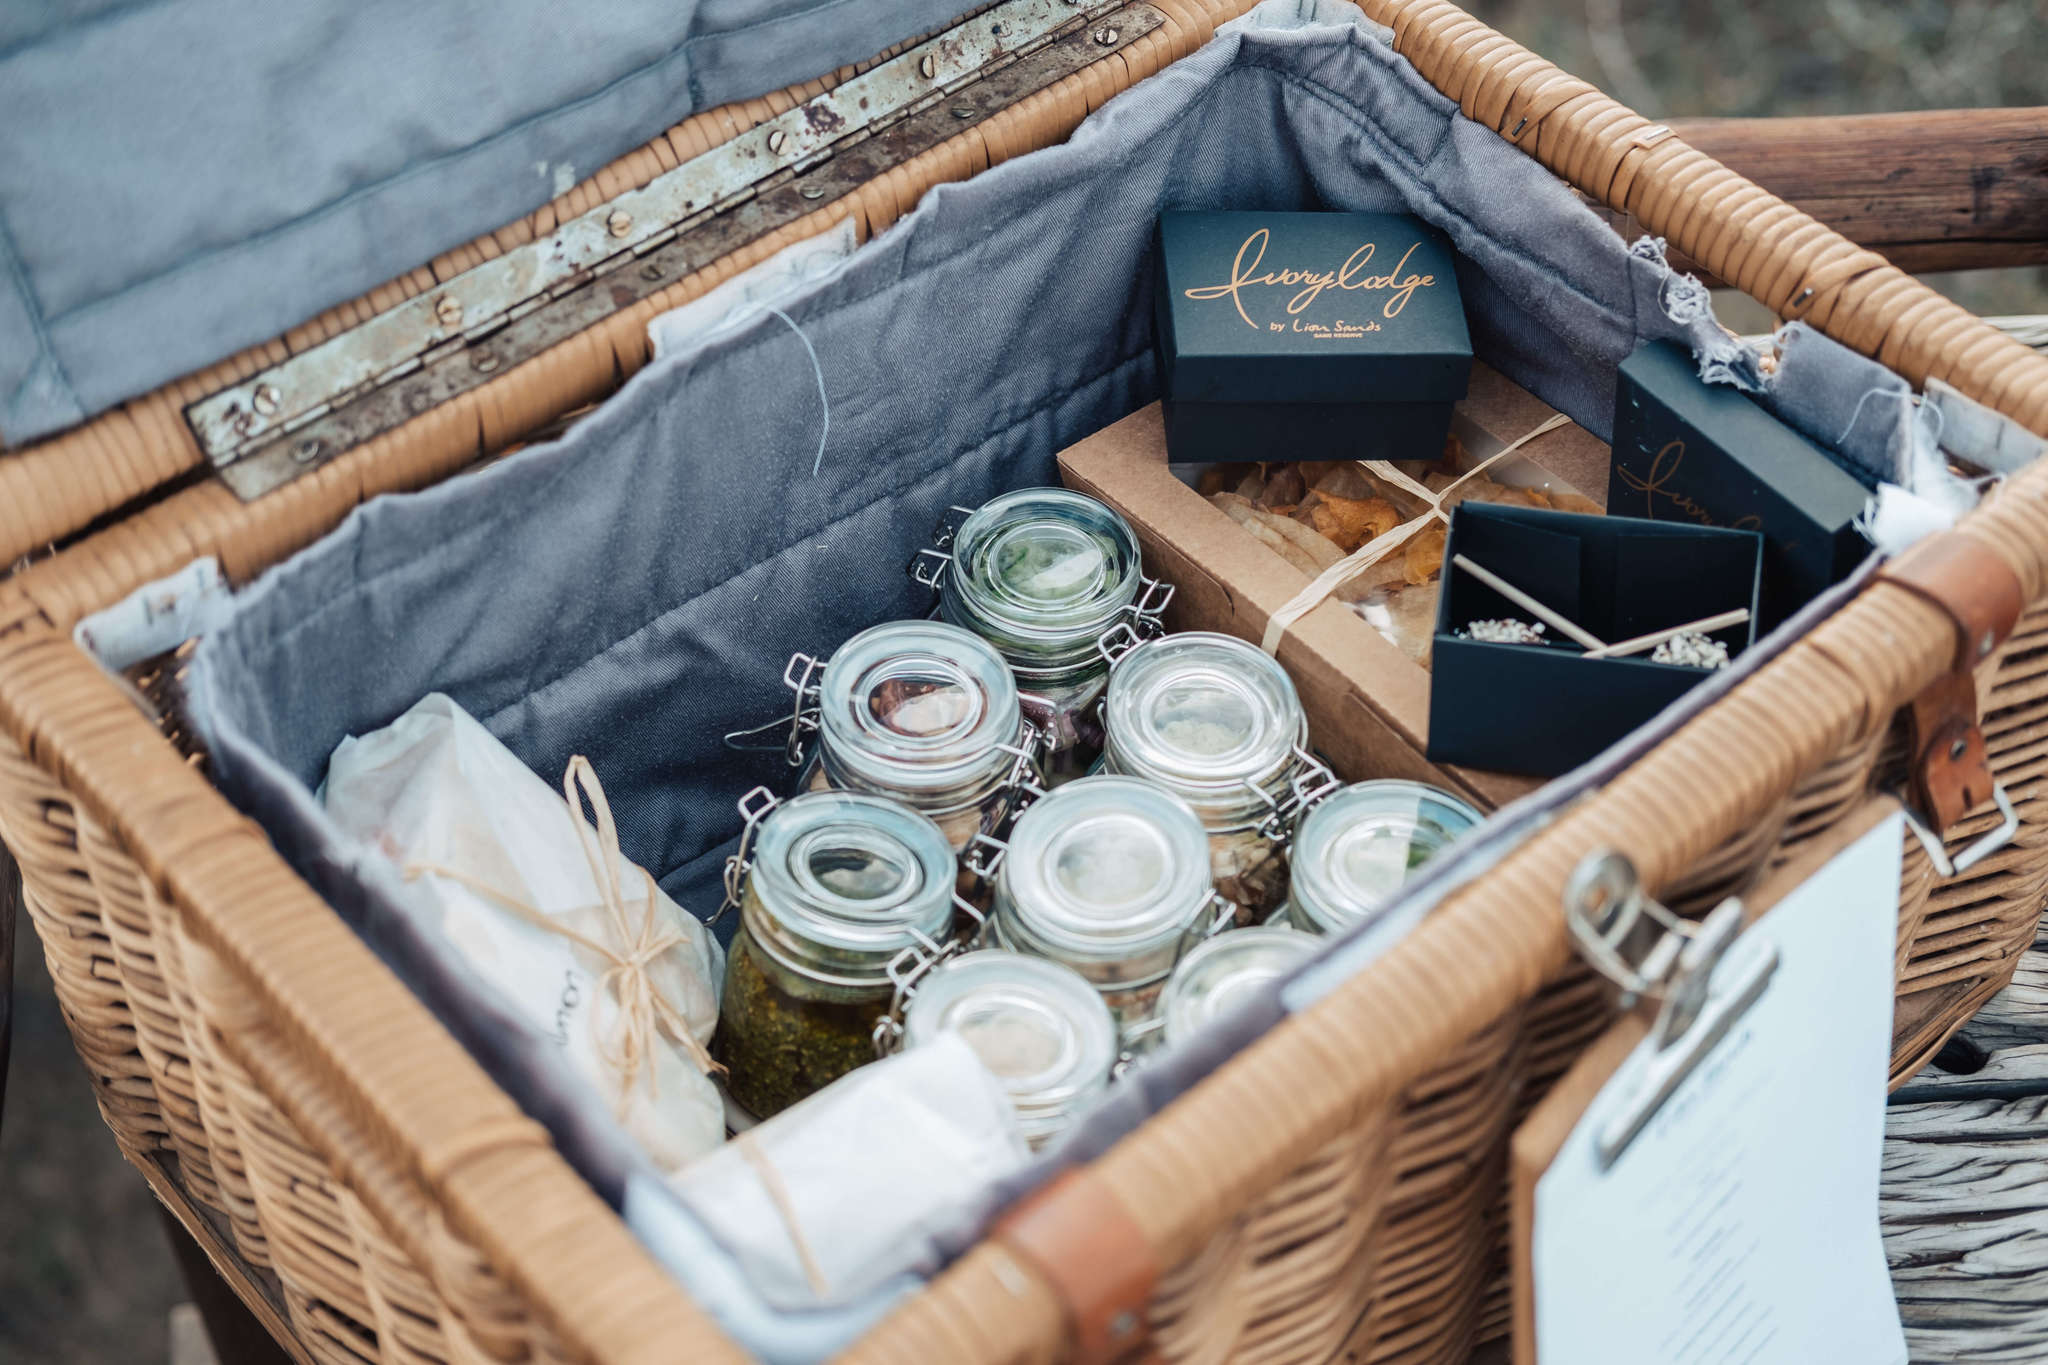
(1964, 1198)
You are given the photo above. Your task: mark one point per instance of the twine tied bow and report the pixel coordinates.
(643, 1010)
(1384, 544)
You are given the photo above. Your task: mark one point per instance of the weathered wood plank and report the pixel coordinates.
(1938, 190)
(1964, 1192)
(1956, 189)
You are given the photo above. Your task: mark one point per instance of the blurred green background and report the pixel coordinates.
(85, 1274)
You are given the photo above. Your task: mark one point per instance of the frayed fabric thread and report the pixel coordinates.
(817, 373)
(1722, 359)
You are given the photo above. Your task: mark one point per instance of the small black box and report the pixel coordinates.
(1307, 336)
(1689, 451)
(1545, 709)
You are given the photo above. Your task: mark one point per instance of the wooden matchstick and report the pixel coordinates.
(1640, 643)
(1555, 620)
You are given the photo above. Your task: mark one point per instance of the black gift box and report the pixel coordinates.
(1689, 451)
(1545, 709)
(1307, 336)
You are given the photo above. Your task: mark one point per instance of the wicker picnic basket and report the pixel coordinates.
(1339, 1186)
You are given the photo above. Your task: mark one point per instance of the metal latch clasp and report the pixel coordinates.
(1650, 953)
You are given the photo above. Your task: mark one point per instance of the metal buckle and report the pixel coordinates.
(1651, 953)
(1937, 852)
(754, 808)
(1313, 782)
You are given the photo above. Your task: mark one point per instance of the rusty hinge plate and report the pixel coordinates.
(296, 416)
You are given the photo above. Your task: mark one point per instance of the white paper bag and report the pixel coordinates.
(494, 852)
(864, 1180)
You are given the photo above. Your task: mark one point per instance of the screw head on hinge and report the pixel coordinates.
(777, 140)
(449, 311)
(308, 450)
(1107, 36)
(812, 191)
(618, 222)
(484, 360)
(927, 66)
(265, 399)
(962, 111)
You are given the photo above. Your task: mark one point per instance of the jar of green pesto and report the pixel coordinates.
(1048, 577)
(926, 714)
(1218, 723)
(837, 891)
(1354, 850)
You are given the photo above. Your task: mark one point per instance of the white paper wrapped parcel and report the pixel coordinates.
(436, 789)
(863, 1181)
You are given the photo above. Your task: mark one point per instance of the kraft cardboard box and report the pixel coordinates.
(1367, 702)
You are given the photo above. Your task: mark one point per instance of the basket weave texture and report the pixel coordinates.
(1318, 1194)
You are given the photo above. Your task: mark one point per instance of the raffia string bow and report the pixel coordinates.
(643, 1009)
(1384, 544)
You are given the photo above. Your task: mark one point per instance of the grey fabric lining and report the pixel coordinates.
(632, 591)
(182, 180)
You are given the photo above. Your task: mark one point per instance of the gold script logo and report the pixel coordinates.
(1310, 284)
(1655, 485)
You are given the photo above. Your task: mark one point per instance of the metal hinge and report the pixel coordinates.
(298, 415)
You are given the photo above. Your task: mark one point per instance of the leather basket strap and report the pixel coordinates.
(1982, 596)
(1077, 1235)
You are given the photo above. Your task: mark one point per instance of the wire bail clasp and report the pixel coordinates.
(1312, 783)
(907, 971)
(755, 807)
(928, 566)
(801, 676)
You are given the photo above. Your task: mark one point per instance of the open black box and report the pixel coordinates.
(1544, 709)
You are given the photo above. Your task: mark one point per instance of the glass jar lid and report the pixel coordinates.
(1224, 972)
(845, 882)
(1042, 573)
(1355, 850)
(917, 706)
(1203, 714)
(1105, 870)
(1041, 1028)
